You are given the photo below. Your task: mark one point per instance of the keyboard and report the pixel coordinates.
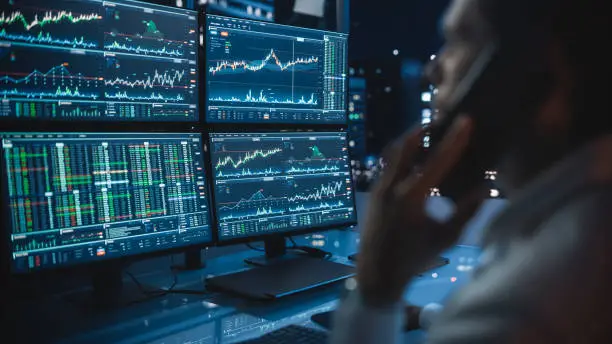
(292, 334)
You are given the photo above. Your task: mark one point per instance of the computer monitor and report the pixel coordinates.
(248, 9)
(259, 72)
(75, 198)
(280, 183)
(116, 60)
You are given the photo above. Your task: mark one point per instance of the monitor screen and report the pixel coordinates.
(249, 9)
(260, 72)
(115, 60)
(79, 197)
(280, 182)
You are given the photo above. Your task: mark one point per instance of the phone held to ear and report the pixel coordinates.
(500, 91)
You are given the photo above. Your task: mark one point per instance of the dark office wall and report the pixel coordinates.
(411, 26)
(377, 29)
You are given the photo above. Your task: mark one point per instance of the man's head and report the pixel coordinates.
(566, 32)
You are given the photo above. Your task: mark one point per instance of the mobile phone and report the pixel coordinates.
(500, 91)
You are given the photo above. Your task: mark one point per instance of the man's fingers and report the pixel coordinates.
(444, 235)
(449, 152)
(439, 165)
(466, 208)
(444, 158)
(402, 155)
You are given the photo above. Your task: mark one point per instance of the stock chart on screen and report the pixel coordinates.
(262, 72)
(98, 60)
(279, 182)
(74, 198)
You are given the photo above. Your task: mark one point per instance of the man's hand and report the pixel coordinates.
(399, 237)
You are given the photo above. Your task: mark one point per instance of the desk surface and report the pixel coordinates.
(213, 317)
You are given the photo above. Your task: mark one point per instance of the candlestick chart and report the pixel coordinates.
(280, 181)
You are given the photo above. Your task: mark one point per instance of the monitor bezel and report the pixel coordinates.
(7, 262)
(43, 123)
(290, 233)
(274, 124)
(217, 12)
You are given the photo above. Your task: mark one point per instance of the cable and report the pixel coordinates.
(156, 291)
(258, 249)
(160, 292)
(311, 251)
(295, 245)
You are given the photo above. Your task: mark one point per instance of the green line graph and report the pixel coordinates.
(48, 18)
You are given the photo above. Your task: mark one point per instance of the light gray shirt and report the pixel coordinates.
(548, 273)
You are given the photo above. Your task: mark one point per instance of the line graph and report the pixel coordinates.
(259, 212)
(59, 93)
(326, 196)
(320, 206)
(236, 159)
(101, 60)
(49, 17)
(163, 51)
(57, 72)
(261, 187)
(165, 79)
(257, 196)
(246, 158)
(148, 34)
(248, 71)
(324, 169)
(51, 27)
(130, 79)
(263, 99)
(256, 205)
(247, 172)
(150, 97)
(46, 38)
(324, 191)
(255, 66)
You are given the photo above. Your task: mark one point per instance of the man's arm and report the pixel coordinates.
(376, 323)
(355, 322)
(551, 286)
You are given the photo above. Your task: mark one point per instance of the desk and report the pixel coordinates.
(217, 318)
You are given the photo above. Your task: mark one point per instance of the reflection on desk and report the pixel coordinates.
(213, 317)
(239, 327)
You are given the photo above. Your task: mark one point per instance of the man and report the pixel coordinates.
(546, 270)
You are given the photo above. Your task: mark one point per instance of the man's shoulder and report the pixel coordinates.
(581, 220)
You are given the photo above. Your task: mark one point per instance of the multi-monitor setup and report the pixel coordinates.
(83, 196)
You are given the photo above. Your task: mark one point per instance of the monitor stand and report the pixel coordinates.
(275, 249)
(107, 290)
(278, 274)
(192, 261)
(107, 286)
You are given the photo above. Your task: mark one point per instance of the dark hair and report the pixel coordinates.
(582, 27)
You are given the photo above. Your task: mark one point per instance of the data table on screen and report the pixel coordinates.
(266, 183)
(74, 198)
(260, 72)
(117, 60)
